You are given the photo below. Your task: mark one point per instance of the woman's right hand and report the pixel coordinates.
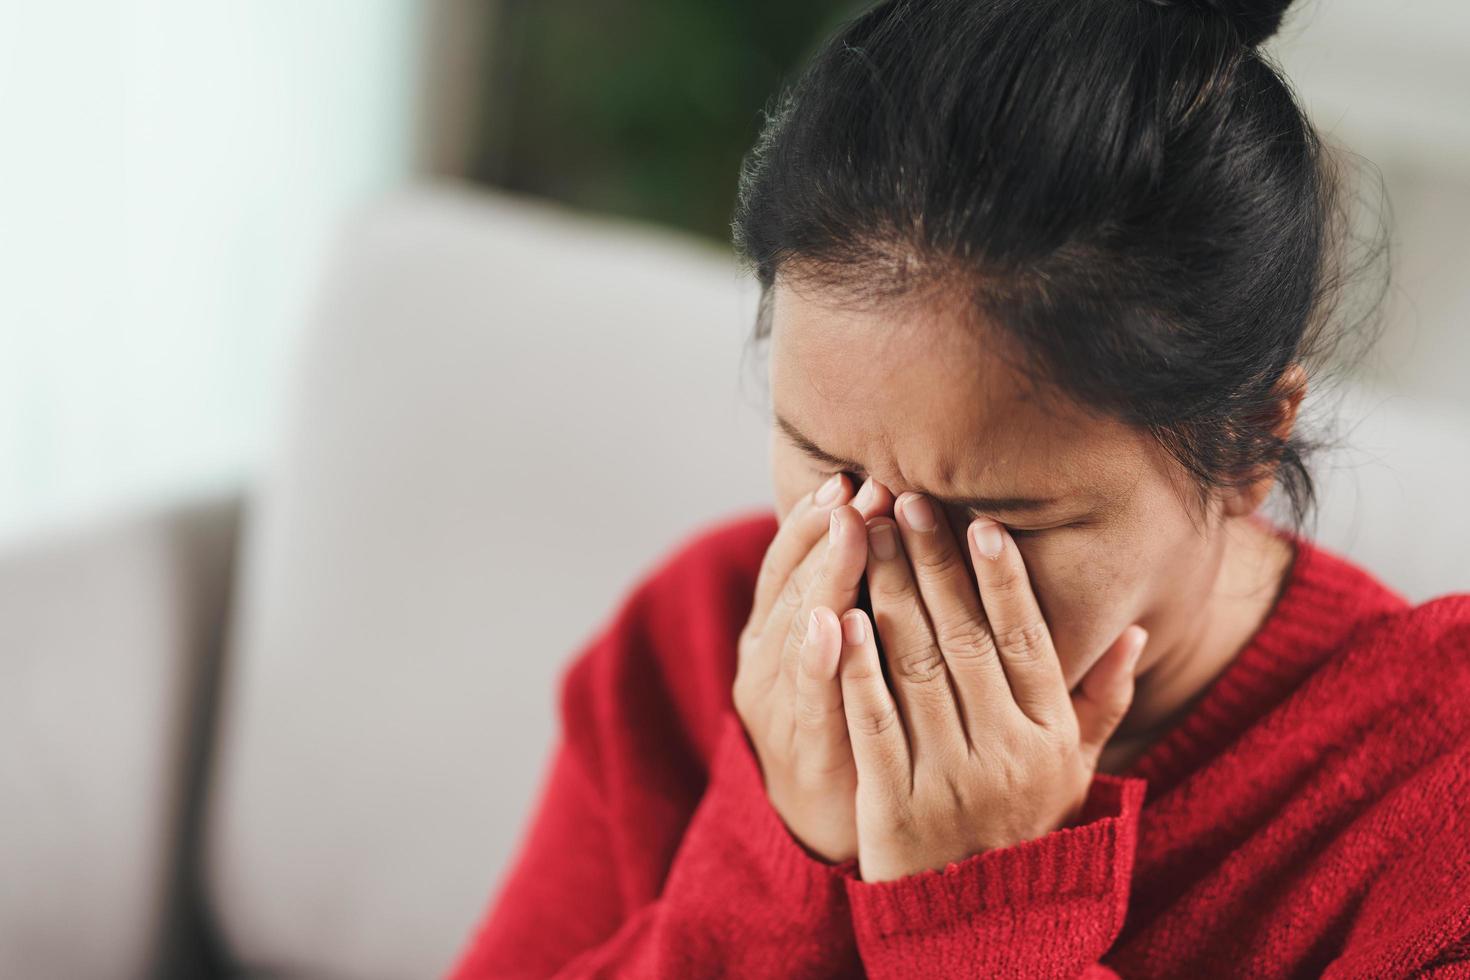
(786, 689)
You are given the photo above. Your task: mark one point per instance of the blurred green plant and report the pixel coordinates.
(641, 108)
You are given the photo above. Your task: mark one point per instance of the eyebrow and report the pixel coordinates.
(1006, 504)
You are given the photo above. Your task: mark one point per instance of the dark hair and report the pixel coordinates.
(1128, 188)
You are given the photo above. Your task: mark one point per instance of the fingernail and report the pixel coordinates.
(987, 538)
(827, 492)
(814, 625)
(880, 539)
(917, 510)
(865, 495)
(852, 629)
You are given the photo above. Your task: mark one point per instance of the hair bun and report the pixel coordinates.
(1256, 20)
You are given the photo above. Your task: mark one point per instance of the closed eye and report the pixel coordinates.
(1029, 532)
(1016, 532)
(1020, 532)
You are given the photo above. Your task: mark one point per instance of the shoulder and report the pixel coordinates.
(1426, 644)
(1411, 770)
(1354, 676)
(667, 651)
(1422, 653)
(1389, 655)
(1391, 711)
(1443, 622)
(1344, 608)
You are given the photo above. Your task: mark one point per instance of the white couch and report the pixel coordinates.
(294, 731)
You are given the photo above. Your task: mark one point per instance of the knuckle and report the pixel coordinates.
(892, 590)
(876, 721)
(938, 561)
(1005, 583)
(810, 780)
(820, 776)
(812, 716)
(1024, 641)
(864, 670)
(820, 576)
(913, 658)
(767, 568)
(791, 592)
(920, 666)
(765, 577)
(811, 563)
(964, 638)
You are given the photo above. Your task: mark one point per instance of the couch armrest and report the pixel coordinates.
(109, 642)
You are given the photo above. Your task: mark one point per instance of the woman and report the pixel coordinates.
(1016, 681)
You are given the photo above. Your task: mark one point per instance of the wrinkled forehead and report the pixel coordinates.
(926, 397)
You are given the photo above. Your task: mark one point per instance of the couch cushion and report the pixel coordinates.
(109, 637)
(503, 412)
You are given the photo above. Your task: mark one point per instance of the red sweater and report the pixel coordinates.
(1308, 817)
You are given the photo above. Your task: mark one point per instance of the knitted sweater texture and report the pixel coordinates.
(1309, 815)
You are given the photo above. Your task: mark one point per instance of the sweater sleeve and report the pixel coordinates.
(1049, 907)
(741, 897)
(1452, 964)
(1413, 919)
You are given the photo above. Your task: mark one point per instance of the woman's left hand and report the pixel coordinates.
(980, 745)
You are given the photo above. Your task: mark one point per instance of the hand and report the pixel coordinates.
(980, 745)
(786, 691)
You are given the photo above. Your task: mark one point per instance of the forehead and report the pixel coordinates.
(927, 398)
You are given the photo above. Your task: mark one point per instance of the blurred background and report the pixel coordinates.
(299, 297)
(175, 171)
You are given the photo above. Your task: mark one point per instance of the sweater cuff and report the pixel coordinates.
(751, 885)
(740, 789)
(1043, 907)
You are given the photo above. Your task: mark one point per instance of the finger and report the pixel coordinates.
(920, 678)
(880, 748)
(872, 498)
(1019, 631)
(791, 601)
(1106, 692)
(836, 583)
(821, 726)
(802, 529)
(942, 570)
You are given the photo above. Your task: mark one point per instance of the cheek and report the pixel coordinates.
(1090, 586)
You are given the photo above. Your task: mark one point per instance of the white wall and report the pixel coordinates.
(1391, 81)
(169, 173)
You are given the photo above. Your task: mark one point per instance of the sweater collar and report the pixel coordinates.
(1322, 599)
